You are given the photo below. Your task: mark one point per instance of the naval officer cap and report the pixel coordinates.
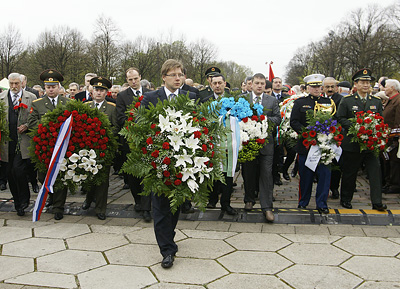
(344, 84)
(51, 77)
(363, 74)
(100, 82)
(314, 79)
(212, 70)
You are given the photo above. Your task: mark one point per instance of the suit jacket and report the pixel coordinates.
(108, 108)
(31, 90)
(81, 96)
(27, 98)
(124, 100)
(348, 106)
(271, 110)
(40, 107)
(191, 89)
(156, 95)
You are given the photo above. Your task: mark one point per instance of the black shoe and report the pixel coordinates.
(168, 261)
(147, 216)
(346, 205)
(323, 210)
(58, 216)
(187, 210)
(301, 207)
(285, 175)
(211, 206)
(86, 205)
(379, 207)
(24, 206)
(20, 212)
(278, 182)
(335, 194)
(35, 189)
(101, 216)
(229, 210)
(3, 187)
(125, 187)
(293, 173)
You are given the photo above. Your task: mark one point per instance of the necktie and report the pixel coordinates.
(172, 96)
(97, 105)
(138, 93)
(257, 99)
(278, 96)
(54, 102)
(15, 100)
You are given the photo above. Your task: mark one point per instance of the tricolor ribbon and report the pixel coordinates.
(232, 145)
(58, 154)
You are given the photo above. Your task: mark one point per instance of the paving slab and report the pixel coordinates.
(70, 262)
(380, 232)
(61, 230)
(254, 262)
(314, 254)
(258, 242)
(27, 224)
(312, 230)
(346, 230)
(116, 277)
(213, 235)
(33, 247)
(135, 254)
(214, 226)
(147, 236)
(14, 266)
(203, 248)
(45, 279)
(240, 281)
(246, 227)
(278, 229)
(2, 222)
(123, 222)
(314, 276)
(395, 240)
(379, 285)
(12, 286)
(190, 271)
(113, 229)
(11, 234)
(187, 225)
(311, 239)
(96, 242)
(164, 285)
(374, 268)
(368, 246)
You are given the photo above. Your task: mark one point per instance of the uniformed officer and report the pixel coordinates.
(298, 120)
(352, 158)
(207, 90)
(40, 107)
(99, 192)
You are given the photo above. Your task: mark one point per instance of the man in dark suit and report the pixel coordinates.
(352, 157)
(124, 100)
(100, 192)
(14, 152)
(264, 161)
(40, 107)
(329, 86)
(186, 87)
(85, 95)
(27, 88)
(164, 221)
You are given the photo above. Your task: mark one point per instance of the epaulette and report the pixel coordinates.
(37, 99)
(112, 103)
(376, 97)
(347, 95)
(89, 102)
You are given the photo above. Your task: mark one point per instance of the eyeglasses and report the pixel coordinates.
(175, 75)
(330, 86)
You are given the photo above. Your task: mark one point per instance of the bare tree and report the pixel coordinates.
(203, 53)
(12, 50)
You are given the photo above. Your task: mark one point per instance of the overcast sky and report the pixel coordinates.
(249, 33)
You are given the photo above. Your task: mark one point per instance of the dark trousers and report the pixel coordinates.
(224, 189)
(164, 224)
(394, 173)
(277, 164)
(32, 172)
(352, 161)
(306, 182)
(336, 175)
(99, 193)
(136, 189)
(251, 175)
(290, 157)
(3, 173)
(16, 172)
(58, 198)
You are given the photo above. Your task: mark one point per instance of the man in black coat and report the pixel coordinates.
(85, 94)
(164, 221)
(124, 100)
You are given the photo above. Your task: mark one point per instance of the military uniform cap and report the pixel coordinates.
(314, 79)
(51, 77)
(363, 74)
(212, 70)
(100, 82)
(344, 84)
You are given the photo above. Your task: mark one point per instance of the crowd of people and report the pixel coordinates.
(259, 176)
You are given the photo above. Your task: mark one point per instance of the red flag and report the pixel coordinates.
(271, 73)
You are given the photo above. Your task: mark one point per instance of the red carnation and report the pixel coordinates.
(332, 129)
(359, 121)
(313, 142)
(203, 119)
(144, 150)
(205, 130)
(140, 98)
(204, 148)
(313, 133)
(339, 128)
(306, 143)
(177, 182)
(260, 141)
(210, 165)
(168, 182)
(102, 155)
(167, 160)
(66, 113)
(340, 137)
(149, 141)
(254, 117)
(262, 117)
(155, 154)
(179, 175)
(74, 113)
(165, 145)
(304, 135)
(154, 165)
(153, 126)
(197, 134)
(245, 119)
(166, 174)
(212, 154)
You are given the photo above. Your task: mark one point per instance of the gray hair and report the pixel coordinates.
(72, 84)
(90, 74)
(15, 75)
(145, 83)
(329, 78)
(116, 86)
(248, 78)
(37, 87)
(394, 83)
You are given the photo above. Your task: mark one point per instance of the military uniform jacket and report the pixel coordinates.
(27, 98)
(108, 108)
(40, 107)
(298, 117)
(348, 107)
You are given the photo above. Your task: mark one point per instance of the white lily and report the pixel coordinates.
(76, 178)
(83, 177)
(92, 162)
(199, 161)
(64, 161)
(92, 154)
(70, 173)
(73, 166)
(181, 160)
(95, 170)
(82, 165)
(193, 186)
(74, 157)
(192, 143)
(83, 153)
(99, 167)
(164, 123)
(63, 168)
(175, 141)
(187, 173)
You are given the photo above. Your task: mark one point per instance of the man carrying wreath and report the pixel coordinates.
(352, 157)
(99, 193)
